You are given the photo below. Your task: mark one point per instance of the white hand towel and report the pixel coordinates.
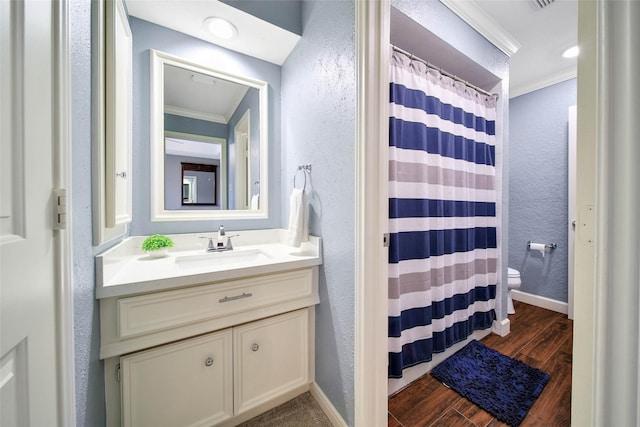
(298, 231)
(255, 202)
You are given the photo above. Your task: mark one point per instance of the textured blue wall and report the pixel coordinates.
(539, 193)
(318, 127)
(150, 36)
(90, 411)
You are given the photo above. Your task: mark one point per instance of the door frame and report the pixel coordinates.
(571, 225)
(62, 238)
(605, 350)
(372, 171)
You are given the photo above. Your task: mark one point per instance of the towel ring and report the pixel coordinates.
(304, 173)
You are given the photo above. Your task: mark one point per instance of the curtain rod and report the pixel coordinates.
(453, 76)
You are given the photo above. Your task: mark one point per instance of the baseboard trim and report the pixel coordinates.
(538, 301)
(501, 328)
(326, 405)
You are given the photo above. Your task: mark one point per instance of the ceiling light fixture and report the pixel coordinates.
(221, 28)
(572, 52)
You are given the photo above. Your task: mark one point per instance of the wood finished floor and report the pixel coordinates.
(539, 337)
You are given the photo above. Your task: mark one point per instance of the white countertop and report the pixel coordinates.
(125, 269)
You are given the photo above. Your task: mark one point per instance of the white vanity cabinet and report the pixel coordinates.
(215, 353)
(202, 381)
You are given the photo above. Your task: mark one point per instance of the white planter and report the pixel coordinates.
(160, 253)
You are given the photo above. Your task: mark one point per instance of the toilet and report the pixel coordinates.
(513, 282)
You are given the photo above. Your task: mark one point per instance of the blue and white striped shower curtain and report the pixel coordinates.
(442, 208)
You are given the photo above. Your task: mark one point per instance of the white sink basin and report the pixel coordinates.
(217, 259)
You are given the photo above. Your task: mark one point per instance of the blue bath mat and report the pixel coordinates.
(502, 386)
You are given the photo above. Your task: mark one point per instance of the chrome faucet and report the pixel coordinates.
(223, 241)
(221, 238)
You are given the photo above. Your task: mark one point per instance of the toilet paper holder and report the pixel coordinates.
(547, 245)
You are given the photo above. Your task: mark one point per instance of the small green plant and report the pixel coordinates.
(156, 242)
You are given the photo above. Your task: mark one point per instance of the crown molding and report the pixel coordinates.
(178, 111)
(559, 77)
(471, 13)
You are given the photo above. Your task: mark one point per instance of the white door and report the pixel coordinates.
(28, 366)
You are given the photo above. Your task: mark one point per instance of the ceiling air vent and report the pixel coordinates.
(542, 3)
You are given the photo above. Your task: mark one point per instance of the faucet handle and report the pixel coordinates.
(210, 245)
(229, 243)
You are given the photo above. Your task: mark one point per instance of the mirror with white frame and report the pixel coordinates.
(226, 120)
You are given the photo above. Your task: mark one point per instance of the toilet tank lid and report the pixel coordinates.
(513, 272)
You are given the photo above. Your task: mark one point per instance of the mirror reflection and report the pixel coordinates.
(217, 108)
(189, 159)
(194, 194)
(212, 119)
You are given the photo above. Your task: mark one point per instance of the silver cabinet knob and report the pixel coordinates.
(209, 361)
(122, 175)
(255, 347)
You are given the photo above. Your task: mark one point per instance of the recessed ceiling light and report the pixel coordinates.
(572, 52)
(221, 28)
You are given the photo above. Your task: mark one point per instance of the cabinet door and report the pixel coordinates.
(271, 357)
(183, 384)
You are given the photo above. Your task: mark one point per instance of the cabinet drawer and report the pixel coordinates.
(184, 384)
(271, 357)
(154, 312)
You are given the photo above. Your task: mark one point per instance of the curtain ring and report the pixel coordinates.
(305, 178)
